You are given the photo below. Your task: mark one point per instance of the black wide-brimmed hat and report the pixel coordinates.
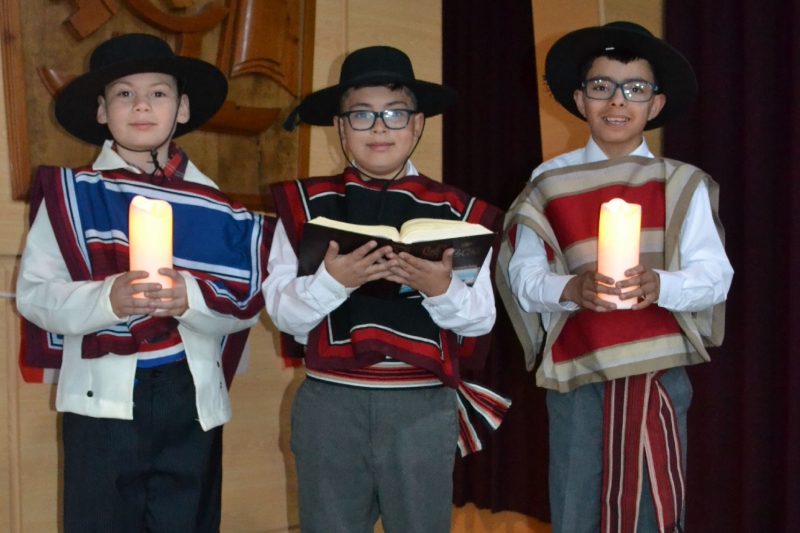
(675, 76)
(374, 65)
(134, 53)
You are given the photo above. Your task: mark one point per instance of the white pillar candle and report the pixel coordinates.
(150, 239)
(618, 244)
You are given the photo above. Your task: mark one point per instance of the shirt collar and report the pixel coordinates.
(593, 153)
(411, 170)
(109, 159)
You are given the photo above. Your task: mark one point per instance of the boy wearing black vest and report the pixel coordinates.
(377, 421)
(618, 390)
(143, 380)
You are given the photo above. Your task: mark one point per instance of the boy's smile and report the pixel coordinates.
(617, 124)
(379, 151)
(140, 111)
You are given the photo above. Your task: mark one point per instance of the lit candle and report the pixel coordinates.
(150, 239)
(618, 244)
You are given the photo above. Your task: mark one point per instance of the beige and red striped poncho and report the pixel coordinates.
(563, 207)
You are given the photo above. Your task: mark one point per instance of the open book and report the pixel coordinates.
(426, 238)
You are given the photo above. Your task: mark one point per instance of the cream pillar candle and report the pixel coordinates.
(150, 239)
(618, 244)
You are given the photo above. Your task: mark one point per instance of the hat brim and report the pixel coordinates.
(320, 107)
(204, 84)
(676, 78)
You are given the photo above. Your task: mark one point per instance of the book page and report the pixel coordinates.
(387, 232)
(431, 229)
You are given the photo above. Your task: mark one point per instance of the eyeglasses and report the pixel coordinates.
(633, 91)
(394, 119)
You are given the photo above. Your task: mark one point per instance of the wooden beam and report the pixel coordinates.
(12, 392)
(14, 87)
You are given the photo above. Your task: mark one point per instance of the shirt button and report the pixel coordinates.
(90, 394)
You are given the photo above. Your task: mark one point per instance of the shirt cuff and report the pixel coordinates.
(105, 298)
(553, 290)
(326, 290)
(670, 285)
(448, 301)
(193, 296)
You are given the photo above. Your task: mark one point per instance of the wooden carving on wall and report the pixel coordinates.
(264, 47)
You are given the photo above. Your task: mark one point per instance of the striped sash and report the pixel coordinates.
(639, 427)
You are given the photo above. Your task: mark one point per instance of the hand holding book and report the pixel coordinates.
(422, 238)
(358, 267)
(431, 278)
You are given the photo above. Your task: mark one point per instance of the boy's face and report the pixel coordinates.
(617, 124)
(379, 151)
(140, 110)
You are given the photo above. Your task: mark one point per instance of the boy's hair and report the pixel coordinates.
(391, 86)
(621, 55)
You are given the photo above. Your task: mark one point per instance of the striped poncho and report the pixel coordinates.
(563, 206)
(218, 241)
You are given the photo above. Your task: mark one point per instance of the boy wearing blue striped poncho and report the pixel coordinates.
(143, 383)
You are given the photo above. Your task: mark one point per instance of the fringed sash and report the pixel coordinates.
(640, 428)
(364, 331)
(218, 241)
(487, 405)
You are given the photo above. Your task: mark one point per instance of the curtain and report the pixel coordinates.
(744, 130)
(491, 143)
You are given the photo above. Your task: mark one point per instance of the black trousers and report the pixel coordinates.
(157, 473)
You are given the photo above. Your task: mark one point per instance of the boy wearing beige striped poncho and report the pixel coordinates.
(618, 390)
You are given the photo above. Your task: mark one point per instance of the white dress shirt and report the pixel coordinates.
(702, 281)
(297, 305)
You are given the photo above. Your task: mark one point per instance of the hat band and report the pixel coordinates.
(386, 76)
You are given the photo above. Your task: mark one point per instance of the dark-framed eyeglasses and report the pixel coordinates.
(633, 91)
(394, 119)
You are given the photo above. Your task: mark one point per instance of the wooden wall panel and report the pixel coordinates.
(263, 68)
(9, 411)
(561, 132)
(258, 471)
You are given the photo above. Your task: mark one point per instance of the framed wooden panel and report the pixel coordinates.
(265, 47)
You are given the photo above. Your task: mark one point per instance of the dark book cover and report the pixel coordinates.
(470, 252)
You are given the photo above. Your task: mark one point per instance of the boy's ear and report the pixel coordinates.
(580, 101)
(656, 106)
(338, 123)
(102, 118)
(183, 110)
(418, 120)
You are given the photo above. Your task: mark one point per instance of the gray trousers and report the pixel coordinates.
(363, 453)
(576, 453)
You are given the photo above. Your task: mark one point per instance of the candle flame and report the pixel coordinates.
(621, 208)
(157, 208)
